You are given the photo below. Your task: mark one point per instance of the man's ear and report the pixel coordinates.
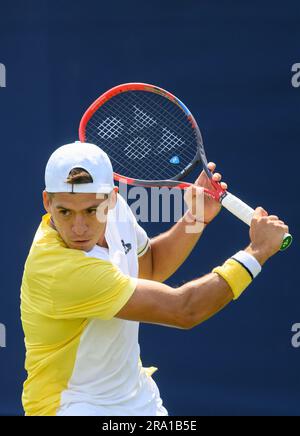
(112, 199)
(46, 201)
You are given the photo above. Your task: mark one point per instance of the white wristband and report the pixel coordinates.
(249, 262)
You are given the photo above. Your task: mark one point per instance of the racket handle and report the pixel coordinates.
(245, 213)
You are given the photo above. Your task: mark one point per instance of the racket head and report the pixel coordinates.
(150, 136)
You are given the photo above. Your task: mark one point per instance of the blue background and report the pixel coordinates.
(230, 62)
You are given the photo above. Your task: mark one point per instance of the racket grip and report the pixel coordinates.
(245, 213)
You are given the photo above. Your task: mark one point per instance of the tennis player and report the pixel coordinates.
(88, 282)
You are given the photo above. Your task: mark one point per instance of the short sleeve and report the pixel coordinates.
(142, 240)
(91, 289)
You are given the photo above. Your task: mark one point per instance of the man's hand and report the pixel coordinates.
(266, 234)
(193, 196)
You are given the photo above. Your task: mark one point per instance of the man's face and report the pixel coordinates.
(80, 219)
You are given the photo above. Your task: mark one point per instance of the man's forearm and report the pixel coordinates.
(204, 297)
(195, 301)
(207, 295)
(183, 307)
(170, 249)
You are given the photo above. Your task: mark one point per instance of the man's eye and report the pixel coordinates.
(92, 211)
(64, 212)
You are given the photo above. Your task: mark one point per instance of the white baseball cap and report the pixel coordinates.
(79, 155)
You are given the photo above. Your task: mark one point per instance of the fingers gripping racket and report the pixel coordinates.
(153, 140)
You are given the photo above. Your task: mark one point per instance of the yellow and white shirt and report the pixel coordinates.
(76, 351)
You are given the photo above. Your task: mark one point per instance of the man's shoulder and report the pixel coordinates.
(55, 268)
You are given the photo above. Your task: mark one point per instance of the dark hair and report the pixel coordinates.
(78, 176)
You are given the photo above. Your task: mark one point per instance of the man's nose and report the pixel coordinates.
(79, 226)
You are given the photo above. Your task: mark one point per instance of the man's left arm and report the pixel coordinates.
(168, 251)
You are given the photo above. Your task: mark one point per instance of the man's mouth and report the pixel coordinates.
(81, 241)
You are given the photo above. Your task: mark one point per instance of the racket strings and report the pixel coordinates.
(167, 140)
(142, 120)
(143, 132)
(138, 148)
(110, 128)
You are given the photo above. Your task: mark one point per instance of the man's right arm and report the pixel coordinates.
(184, 307)
(198, 300)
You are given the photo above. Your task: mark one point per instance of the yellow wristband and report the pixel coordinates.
(237, 277)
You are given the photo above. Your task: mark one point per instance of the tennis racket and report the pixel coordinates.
(153, 140)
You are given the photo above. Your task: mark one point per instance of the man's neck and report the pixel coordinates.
(51, 223)
(102, 242)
